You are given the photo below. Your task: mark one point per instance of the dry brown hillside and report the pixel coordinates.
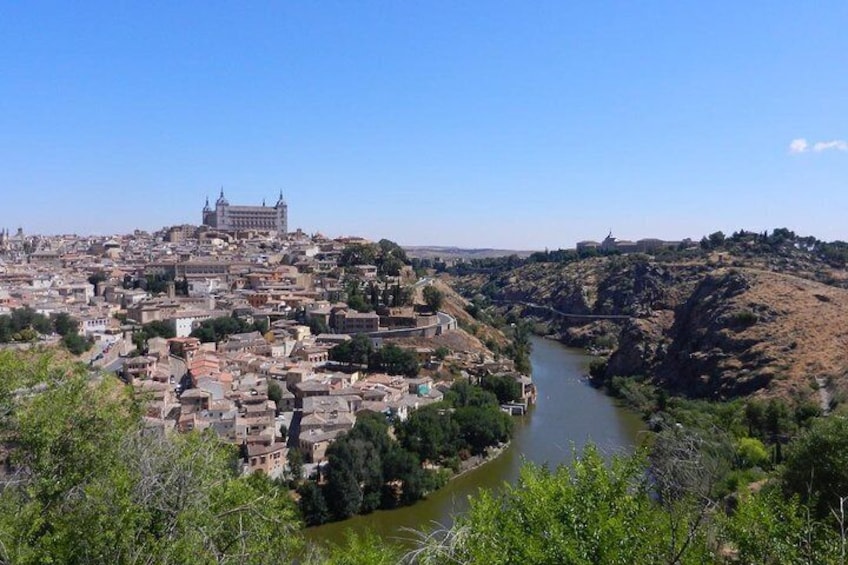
(454, 304)
(746, 331)
(715, 327)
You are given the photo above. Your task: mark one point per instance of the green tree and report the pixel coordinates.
(433, 298)
(504, 387)
(313, 506)
(816, 468)
(27, 318)
(342, 491)
(76, 343)
(585, 513)
(362, 459)
(318, 326)
(768, 528)
(751, 452)
(395, 361)
(6, 330)
(356, 351)
(404, 466)
(275, 393)
(295, 463)
(366, 549)
(358, 254)
(219, 329)
(429, 432)
(158, 328)
(462, 394)
(482, 426)
(64, 324)
(93, 487)
(97, 277)
(716, 239)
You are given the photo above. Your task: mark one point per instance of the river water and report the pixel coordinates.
(568, 413)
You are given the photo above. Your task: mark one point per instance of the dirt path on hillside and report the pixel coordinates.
(824, 394)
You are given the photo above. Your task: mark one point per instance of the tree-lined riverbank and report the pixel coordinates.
(568, 414)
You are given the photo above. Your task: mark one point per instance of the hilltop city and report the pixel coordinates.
(230, 327)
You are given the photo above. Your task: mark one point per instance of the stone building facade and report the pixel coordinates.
(226, 217)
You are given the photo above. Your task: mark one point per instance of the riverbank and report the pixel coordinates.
(568, 414)
(478, 461)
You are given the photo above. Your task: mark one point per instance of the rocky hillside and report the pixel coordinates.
(713, 325)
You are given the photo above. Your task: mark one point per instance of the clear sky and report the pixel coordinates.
(481, 124)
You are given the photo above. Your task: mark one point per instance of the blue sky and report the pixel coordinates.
(485, 124)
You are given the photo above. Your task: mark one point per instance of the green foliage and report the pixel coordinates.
(391, 258)
(519, 348)
(342, 491)
(219, 329)
(25, 324)
(93, 487)
(356, 351)
(769, 420)
(429, 432)
(64, 324)
(716, 239)
(77, 344)
(358, 254)
(355, 297)
(390, 358)
(598, 370)
(475, 423)
(395, 360)
(816, 466)
(584, 513)
(156, 284)
(318, 326)
(504, 387)
(481, 427)
(768, 528)
(750, 452)
(295, 464)
(97, 277)
(743, 318)
(558, 256)
(386, 255)
(313, 506)
(366, 470)
(433, 298)
(462, 394)
(275, 392)
(592, 511)
(366, 549)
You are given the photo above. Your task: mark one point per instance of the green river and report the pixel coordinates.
(568, 413)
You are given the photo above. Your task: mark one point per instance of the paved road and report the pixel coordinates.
(424, 281)
(114, 366)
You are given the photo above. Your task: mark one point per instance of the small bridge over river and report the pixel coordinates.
(590, 317)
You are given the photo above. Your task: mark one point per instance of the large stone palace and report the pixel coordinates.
(226, 217)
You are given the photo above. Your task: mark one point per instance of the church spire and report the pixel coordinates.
(221, 200)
